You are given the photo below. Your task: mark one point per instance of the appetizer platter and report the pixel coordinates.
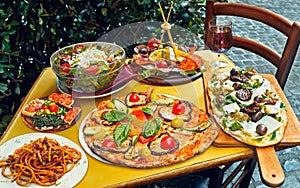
(146, 130)
(56, 112)
(16, 153)
(247, 107)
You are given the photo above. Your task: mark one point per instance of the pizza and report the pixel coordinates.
(147, 130)
(53, 113)
(247, 107)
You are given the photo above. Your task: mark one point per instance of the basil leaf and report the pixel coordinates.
(114, 116)
(147, 110)
(152, 127)
(121, 133)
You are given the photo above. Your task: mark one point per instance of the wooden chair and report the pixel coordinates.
(283, 62)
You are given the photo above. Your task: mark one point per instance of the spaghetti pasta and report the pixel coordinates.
(43, 161)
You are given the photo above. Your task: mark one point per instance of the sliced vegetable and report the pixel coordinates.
(120, 106)
(90, 131)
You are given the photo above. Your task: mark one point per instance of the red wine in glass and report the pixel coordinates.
(219, 39)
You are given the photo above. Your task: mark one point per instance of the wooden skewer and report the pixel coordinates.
(166, 26)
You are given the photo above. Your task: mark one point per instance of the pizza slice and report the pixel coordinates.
(247, 107)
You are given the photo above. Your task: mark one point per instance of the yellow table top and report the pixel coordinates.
(100, 174)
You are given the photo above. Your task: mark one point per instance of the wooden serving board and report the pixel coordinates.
(271, 170)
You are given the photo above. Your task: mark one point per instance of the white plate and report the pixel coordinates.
(69, 179)
(112, 91)
(84, 144)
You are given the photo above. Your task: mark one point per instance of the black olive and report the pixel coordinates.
(257, 116)
(237, 86)
(63, 60)
(244, 94)
(261, 129)
(239, 78)
(234, 72)
(249, 74)
(258, 99)
(143, 51)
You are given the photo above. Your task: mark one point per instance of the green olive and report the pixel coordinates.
(110, 105)
(100, 134)
(177, 122)
(144, 152)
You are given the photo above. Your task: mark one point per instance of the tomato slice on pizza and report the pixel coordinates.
(53, 113)
(147, 130)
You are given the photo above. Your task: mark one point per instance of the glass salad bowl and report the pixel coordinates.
(87, 67)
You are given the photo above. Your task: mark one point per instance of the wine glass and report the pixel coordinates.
(219, 39)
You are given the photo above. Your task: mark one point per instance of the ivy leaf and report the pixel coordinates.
(3, 87)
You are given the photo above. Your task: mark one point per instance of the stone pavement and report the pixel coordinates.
(290, 158)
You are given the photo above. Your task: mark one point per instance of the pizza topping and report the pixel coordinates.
(108, 144)
(163, 144)
(121, 133)
(62, 99)
(152, 127)
(177, 122)
(96, 116)
(168, 115)
(200, 128)
(114, 115)
(178, 109)
(244, 94)
(70, 116)
(119, 105)
(90, 131)
(261, 129)
(144, 140)
(257, 116)
(136, 99)
(144, 152)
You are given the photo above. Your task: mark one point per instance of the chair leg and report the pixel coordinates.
(216, 179)
(250, 166)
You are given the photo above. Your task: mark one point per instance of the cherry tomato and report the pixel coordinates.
(144, 140)
(92, 69)
(65, 67)
(134, 97)
(178, 109)
(162, 64)
(78, 48)
(139, 114)
(153, 44)
(66, 57)
(44, 107)
(109, 143)
(167, 143)
(53, 108)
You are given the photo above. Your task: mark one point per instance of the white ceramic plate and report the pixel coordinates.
(69, 179)
(84, 144)
(114, 90)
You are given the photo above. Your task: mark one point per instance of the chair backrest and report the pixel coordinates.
(283, 61)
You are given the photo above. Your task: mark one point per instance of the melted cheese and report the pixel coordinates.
(231, 108)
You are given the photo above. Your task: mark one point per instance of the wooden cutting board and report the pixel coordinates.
(271, 170)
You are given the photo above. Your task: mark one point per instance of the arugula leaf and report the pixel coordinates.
(114, 116)
(121, 133)
(235, 126)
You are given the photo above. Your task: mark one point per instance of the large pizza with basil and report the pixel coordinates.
(147, 130)
(50, 114)
(247, 107)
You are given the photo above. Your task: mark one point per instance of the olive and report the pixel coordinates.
(177, 122)
(144, 152)
(143, 51)
(257, 116)
(261, 129)
(244, 94)
(63, 60)
(234, 72)
(258, 99)
(237, 86)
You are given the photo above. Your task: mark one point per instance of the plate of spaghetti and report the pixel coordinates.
(39, 160)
